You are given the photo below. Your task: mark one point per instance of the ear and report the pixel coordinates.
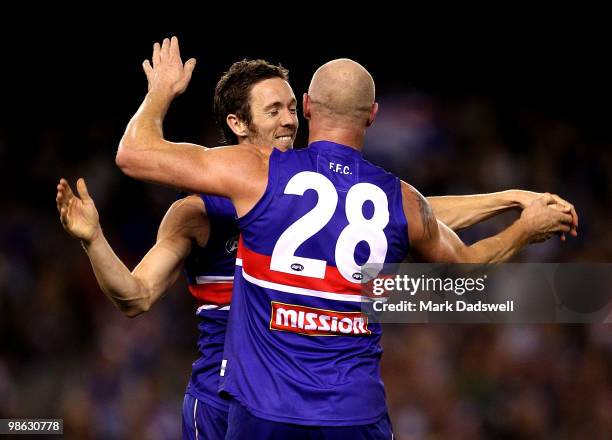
(373, 113)
(238, 126)
(306, 105)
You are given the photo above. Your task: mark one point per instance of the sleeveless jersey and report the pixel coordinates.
(210, 276)
(298, 348)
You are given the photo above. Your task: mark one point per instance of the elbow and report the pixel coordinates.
(125, 158)
(132, 312)
(135, 310)
(467, 255)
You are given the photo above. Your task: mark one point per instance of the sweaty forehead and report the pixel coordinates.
(270, 91)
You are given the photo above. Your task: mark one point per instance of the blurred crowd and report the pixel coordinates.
(65, 351)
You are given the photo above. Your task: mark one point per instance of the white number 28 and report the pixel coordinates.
(358, 229)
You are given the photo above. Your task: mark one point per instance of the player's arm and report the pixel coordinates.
(459, 212)
(237, 172)
(133, 292)
(432, 241)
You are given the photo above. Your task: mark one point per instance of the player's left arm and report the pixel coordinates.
(432, 241)
(459, 212)
(237, 172)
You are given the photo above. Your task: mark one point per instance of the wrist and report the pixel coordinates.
(96, 237)
(522, 230)
(515, 198)
(160, 95)
(525, 198)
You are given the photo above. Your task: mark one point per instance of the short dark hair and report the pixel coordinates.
(233, 90)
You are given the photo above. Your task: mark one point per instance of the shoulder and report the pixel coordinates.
(192, 205)
(419, 214)
(380, 170)
(262, 152)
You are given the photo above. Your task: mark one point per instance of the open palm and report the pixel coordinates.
(166, 72)
(78, 215)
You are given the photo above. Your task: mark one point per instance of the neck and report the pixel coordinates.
(349, 136)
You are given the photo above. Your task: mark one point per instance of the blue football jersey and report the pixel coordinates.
(299, 349)
(210, 277)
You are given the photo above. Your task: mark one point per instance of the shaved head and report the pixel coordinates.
(343, 88)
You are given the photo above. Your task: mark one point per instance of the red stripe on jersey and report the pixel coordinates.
(212, 293)
(258, 266)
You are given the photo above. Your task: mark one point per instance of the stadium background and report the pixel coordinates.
(457, 116)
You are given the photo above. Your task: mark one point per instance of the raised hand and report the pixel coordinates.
(79, 216)
(544, 217)
(166, 73)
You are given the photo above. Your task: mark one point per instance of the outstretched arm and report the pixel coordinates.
(133, 292)
(237, 172)
(459, 212)
(432, 241)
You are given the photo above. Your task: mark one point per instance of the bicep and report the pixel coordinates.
(184, 224)
(224, 171)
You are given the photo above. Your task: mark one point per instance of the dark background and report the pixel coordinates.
(499, 108)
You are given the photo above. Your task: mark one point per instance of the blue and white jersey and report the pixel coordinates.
(298, 347)
(210, 277)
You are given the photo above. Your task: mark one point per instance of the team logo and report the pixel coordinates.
(231, 245)
(317, 322)
(297, 267)
(358, 276)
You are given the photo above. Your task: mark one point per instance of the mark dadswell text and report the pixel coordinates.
(464, 306)
(446, 306)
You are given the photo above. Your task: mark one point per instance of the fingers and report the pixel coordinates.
(60, 193)
(565, 218)
(64, 194)
(174, 50)
(165, 49)
(59, 197)
(64, 217)
(560, 201)
(156, 54)
(148, 70)
(189, 66)
(548, 198)
(560, 207)
(82, 189)
(563, 223)
(167, 61)
(68, 190)
(563, 205)
(570, 207)
(574, 220)
(62, 201)
(168, 50)
(574, 214)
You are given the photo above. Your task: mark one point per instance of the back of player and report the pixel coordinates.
(299, 350)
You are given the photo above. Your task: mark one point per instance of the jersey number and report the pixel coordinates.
(358, 229)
